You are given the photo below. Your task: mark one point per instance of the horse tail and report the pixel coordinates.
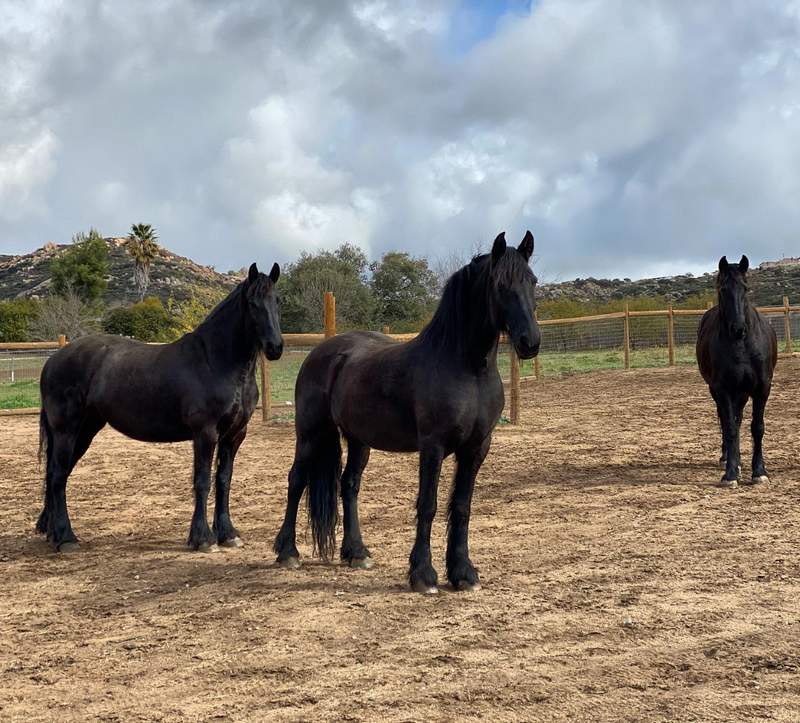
(44, 437)
(45, 450)
(323, 470)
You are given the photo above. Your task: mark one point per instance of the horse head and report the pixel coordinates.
(261, 309)
(512, 296)
(732, 294)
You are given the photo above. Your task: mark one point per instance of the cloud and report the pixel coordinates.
(628, 136)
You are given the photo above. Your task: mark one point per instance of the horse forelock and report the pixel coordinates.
(512, 269)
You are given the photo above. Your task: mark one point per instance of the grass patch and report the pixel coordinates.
(19, 395)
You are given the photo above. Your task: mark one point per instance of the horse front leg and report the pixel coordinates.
(227, 534)
(730, 437)
(421, 575)
(757, 429)
(460, 570)
(723, 454)
(200, 535)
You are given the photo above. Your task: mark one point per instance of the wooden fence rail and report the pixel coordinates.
(292, 340)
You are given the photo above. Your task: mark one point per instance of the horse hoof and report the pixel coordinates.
(290, 563)
(233, 542)
(424, 589)
(761, 479)
(68, 547)
(468, 586)
(728, 483)
(361, 563)
(206, 547)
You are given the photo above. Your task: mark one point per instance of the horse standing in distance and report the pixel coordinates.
(438, 394)
(201, 387)
(737, 351)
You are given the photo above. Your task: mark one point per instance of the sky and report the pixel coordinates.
(633, 138)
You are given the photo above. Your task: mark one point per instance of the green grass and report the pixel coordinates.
(19, 395)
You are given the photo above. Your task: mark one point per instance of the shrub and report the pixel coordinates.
(15, 319)
(147, 321)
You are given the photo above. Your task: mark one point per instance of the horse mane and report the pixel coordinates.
(234, 297)
(451, 321)
(223, 305)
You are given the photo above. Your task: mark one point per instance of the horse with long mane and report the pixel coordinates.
(438, 394)
(737, 351)
(201, 387)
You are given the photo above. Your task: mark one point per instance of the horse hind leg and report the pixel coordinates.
(354, 552)
(64, 451)
(285, 545)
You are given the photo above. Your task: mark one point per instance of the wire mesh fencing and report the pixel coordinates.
(620, 340)
(20, 370)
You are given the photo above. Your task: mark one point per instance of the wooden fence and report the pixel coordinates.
(627, 318)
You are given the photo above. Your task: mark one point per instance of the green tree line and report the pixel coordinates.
(398, 291)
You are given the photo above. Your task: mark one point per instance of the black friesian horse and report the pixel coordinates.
(201, 387)
(438, 394)
(737, 351)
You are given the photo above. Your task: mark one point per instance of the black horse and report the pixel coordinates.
(438, 394)
(201, 387)
(737, 351)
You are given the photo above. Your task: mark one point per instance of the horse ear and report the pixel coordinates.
(499, 247)
(744, 264)
(723, 263)
(526, 247)
(252, 274)
(275, 273)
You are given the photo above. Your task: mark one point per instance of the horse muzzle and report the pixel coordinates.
(273, 350)
(525, 347)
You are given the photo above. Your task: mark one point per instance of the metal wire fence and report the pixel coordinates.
(612, 341)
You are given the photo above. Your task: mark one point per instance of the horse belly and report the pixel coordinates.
(153, 415)
(159, 426)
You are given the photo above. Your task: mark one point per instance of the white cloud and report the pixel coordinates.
(625, 135)
(25, 169)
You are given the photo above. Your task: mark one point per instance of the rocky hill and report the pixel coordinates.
(769, 283)
(28, 275)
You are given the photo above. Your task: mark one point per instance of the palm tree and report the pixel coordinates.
(143, 249)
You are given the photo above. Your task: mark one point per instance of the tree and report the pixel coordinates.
(404, 289)
(303, 284)
(82, 268)
(64, 314)
(142, 247)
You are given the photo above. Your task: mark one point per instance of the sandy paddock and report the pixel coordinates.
(618, 582)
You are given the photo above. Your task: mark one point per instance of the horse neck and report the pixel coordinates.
(224, 334)
(470, 336)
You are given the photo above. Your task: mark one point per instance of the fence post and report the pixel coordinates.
(787, 325)
(62, 340)
(387, 330)
(671, 335)
(330, 314)
(536, 358)
(266, 390)
(626, 337)
(514, 384)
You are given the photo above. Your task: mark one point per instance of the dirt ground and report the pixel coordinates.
(618, 582)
